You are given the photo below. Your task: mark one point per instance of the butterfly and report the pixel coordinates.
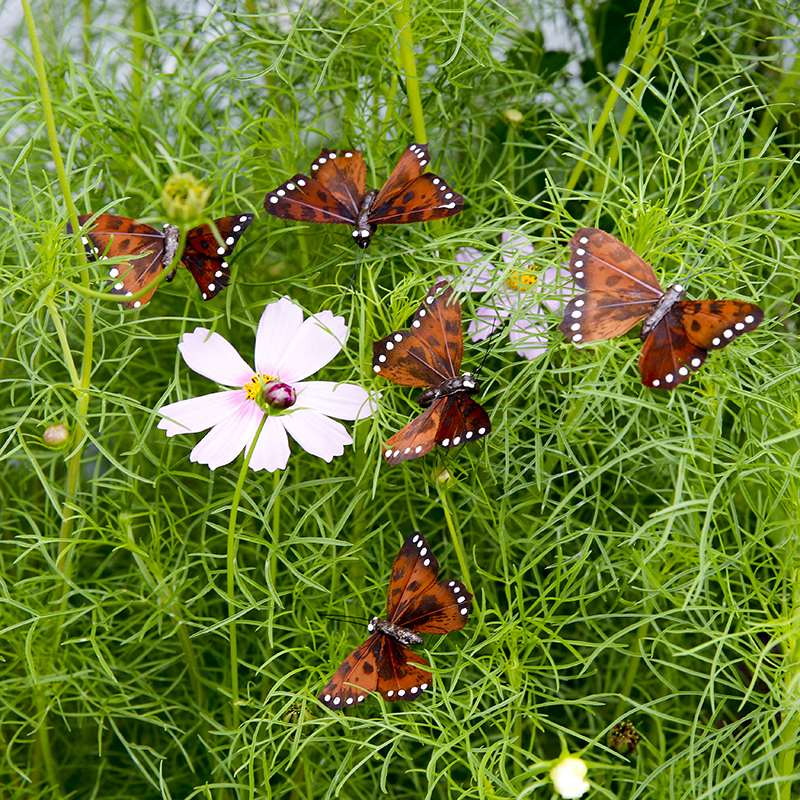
(416, 604)
(429, 354)
(152, 250)
(336, 193)
(621, 289)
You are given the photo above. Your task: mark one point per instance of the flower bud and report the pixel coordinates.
(513, 116)
(278, 395)
(569, 777)
(184, 198)
(56, 436)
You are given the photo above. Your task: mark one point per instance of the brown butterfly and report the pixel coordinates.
(429, 354)
(416, 604)
(622, 289)
(152, 250)
(336, 193)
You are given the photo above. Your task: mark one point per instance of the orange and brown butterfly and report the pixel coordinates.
(151, 251)
(336, 193)
(416, 603)
(621, 289)
(429, 354)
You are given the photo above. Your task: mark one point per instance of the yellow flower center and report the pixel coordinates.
(253, 387)
(519, 280)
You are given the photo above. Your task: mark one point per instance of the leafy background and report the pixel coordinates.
(633, 553)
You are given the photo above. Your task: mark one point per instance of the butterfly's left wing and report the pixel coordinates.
(382, 665)
(712, 324)
(112, 236)
(448, 422)
(412, 195)
(430, 351)
(416, 601)
(207, 259)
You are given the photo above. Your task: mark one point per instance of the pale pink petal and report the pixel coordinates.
(470, 257)
(319, 339)
(516, 246)
(212, 356)
(278, 325)
(317, 434)
(486, 321)
(272, 448)
(223, 443)
(199, 413)
(339, 400)
(531, 338)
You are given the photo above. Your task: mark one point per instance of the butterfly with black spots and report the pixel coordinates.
(416, 604)
(336, 193)
(621, 289)
(429, 354)
(152, 251)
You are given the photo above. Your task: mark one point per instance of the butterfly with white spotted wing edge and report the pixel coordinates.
(429, 354)
(416, 603)
(621, 289)
(336, 192)
(151, 251)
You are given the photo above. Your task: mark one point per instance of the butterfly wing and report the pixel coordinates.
(449, 421)
(206, 258)
(678, 345)
(712, 324)
(416, 601)
(411, 195)
(112, 236)
(332, 194)
(621, 288)
(381, 665)
(430, 351)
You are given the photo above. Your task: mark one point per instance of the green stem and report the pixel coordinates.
(405, 44)
(231, 585)
(140, 29)
(789, 731)
(455, 536)
(276, 527)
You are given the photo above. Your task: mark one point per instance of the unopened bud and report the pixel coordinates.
(56, 435)
(279, 395)
(513, 116)
(184, 198)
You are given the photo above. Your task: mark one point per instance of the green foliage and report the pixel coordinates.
(634, 554)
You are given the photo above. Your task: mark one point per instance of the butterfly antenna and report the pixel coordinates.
(344, 618)
(495, 334)
(697, 260)
(359, 251)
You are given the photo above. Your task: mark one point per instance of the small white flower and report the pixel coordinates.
(288, 350)
(569, 777)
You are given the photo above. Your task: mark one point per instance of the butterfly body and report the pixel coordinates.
(335, 192)
(150, 251)
(621, 289)
(416, 603)
(429, 354)
(461, 383)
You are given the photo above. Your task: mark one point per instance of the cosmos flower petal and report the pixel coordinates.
(213, 357)
(224, 442)
(339, 400)
(486, 321)
(531, 338)
(200, 413)
(516, 246)
(277, 327)
(272, 448)
(317, 434)
(317, 341)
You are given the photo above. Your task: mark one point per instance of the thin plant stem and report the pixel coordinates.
(455, 536)
(140, 28)
(231, 575)
(405, 45)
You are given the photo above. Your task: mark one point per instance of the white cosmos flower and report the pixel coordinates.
(569, 777)
(288, 350)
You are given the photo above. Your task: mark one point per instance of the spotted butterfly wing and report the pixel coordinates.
(621, 289)
(149, 251)
(429, 354)
(335, 192)
(416, 603)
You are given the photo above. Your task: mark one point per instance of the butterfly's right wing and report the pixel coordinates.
(333, 193)
(381, 665)
(430, 351)
(621, 288)
(112, 236)
(449, 421)
(412, 195)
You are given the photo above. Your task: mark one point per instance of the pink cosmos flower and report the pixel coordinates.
(288, 350)
(512, 297)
